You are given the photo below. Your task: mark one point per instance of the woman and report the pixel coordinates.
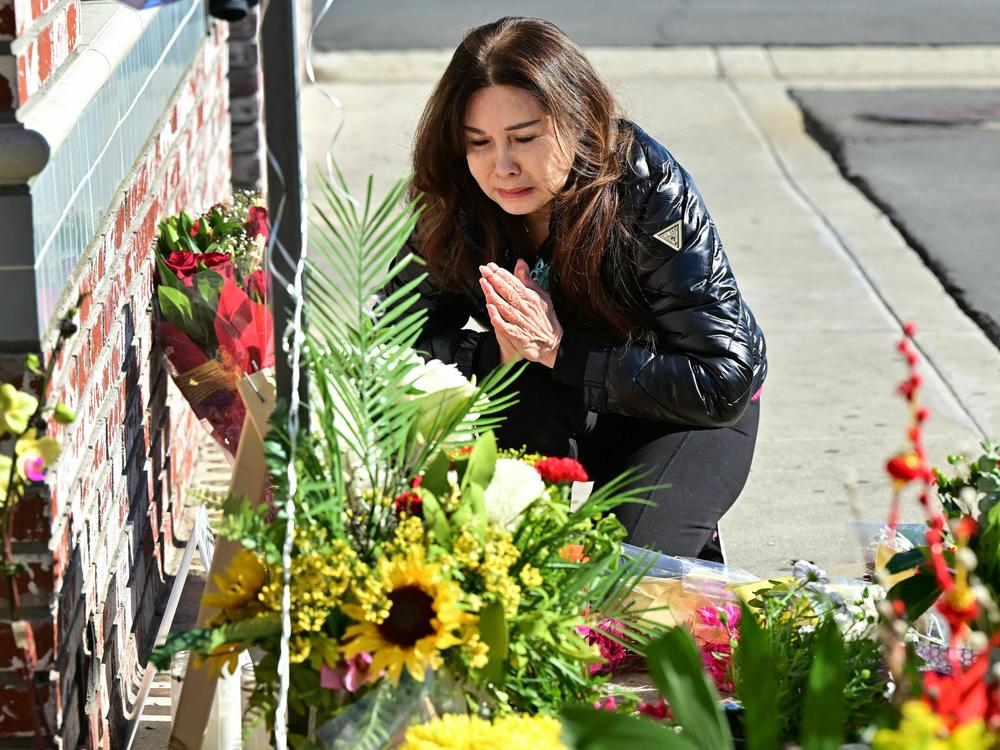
(579, 244)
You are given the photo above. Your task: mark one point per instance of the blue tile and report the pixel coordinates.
(107, 140)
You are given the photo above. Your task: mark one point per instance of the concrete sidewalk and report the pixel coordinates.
(825, 272)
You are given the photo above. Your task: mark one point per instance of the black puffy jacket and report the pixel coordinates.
(709, 357)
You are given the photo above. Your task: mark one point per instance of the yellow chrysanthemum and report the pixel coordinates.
(922, 729)
(237, 587)
(462, 732)
(423, 617)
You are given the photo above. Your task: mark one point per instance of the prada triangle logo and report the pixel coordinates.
(671, 236)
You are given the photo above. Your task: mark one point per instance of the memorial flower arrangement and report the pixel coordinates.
(422, 554)
(814, 663)
(215, 323)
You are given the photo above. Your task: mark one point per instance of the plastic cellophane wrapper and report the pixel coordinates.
(675, 588)
(245, 345)
(380, 719)
(930, 632)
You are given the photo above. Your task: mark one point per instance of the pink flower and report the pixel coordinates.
(725, 619)
(613, 653)
(659, 710)
(349, 675)
(34, 468)
(717, 659)
(606, 704)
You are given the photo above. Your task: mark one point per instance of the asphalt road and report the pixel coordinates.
(416, 24)
(929, 158)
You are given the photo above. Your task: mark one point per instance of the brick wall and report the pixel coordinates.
(41, 36)
(94, 540)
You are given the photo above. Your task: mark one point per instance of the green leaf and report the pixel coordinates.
(917, 593)
(907, 560)
(823, 713)
(434, 517)
(435, 476)
(758, 684)
(591, 729)
(482, 461)
(177, 308)
(675, 666)
(209, 285)
(493, 632)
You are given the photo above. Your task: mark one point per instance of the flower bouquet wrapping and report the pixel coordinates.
(430, 571)
(215, 323)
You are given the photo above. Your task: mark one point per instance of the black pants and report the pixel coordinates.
(704, 469)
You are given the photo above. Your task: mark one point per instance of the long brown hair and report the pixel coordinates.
(590, 236)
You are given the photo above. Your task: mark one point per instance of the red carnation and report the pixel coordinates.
(409, 502)
(561, 470)
(182, 263)
(257, 223)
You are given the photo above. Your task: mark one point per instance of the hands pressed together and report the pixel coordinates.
(522, 314)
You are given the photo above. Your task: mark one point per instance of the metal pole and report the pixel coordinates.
(286, 174)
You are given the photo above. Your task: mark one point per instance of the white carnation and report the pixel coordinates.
(515, 486)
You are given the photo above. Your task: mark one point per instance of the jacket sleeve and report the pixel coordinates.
(701, 369)
(443, 336)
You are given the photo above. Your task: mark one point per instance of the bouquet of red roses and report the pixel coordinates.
(215, 322)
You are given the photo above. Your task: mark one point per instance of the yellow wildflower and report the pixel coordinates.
(530, 576)
(468, 551)
(321, 572)
(922, 729)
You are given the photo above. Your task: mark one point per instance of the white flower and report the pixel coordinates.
(860, 616)
(442, 389)
(805, 572)
(515, 486)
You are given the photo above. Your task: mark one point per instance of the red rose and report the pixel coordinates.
(257, 223)
(221, 262)
(561, 470)
(182, 263)
(258, 284)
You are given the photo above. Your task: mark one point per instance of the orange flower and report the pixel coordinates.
(573, 553)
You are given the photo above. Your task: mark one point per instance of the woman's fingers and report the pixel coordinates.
(507, 284)
(509, 330)
(508, 311)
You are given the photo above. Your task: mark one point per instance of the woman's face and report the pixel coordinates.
(512, 150)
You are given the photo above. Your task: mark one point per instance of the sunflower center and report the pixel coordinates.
(410, 615)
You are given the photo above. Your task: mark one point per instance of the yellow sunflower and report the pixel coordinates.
(422, 618)
(236, 587)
